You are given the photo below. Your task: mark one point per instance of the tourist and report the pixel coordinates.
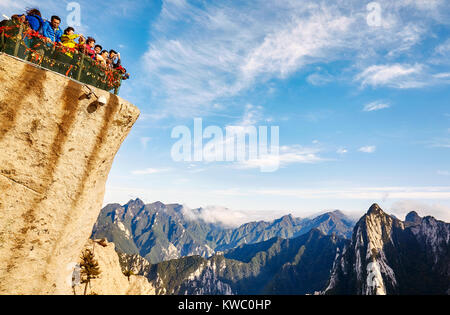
(68, 40)
(88, 48)
(113, 59)
(123, 71)
(51, 29)
(21, 19)
(102, 58)
(98, 50)
(34, 19)
(16, 18)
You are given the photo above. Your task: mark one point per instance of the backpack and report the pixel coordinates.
(39, 20)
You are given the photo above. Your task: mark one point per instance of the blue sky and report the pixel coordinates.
(363, 109)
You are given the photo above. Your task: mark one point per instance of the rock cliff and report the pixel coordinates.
(56, 150)
(388, 256)
(111, 280)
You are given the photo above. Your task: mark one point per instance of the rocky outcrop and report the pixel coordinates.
(111, 280)
(388, 256)
(57, 148)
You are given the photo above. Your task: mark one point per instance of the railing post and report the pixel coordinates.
(83, 53)
(19, 39)
(3, 41)
(81, 67)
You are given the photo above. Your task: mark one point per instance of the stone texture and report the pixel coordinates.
(56, 150)
(111, 280)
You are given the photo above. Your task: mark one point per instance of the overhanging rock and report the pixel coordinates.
(56, 150)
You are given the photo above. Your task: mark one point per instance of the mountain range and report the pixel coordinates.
(380, 254)
(278, 266)
(160, 232)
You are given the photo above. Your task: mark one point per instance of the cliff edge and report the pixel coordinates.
(56, 150)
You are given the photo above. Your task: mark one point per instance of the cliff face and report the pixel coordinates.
(389, 256)
(111, 280)
(56, 150)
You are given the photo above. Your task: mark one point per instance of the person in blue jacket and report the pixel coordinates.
(34, 19)
(51, 29)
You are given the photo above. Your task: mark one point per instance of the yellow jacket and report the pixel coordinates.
(69, 42)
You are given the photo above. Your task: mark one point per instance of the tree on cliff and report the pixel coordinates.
(89, 268)
(128, 273)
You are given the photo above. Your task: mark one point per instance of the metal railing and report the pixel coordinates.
(18, 40)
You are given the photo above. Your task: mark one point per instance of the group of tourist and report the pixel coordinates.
(52, 33)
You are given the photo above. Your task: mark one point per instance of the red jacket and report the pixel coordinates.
(89, 51)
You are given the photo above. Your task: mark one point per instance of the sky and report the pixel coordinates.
(359, 91)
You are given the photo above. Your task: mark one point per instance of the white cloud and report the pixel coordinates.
(217, 214)
(443, 173)
(374, 106)
(10, 7)
(441, 143)
(319, 79)
(149, 171)
(299, 44)
(199, 55)
(342, 151)
(153, 116)
(368, 149)
(444, 75)
(443, 48)
(401, 76)
(395, 75)
(439, 211)
(288, 155)
(359, 193)
(252, 116)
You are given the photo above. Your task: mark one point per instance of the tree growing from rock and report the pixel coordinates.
(89, 268)
(128, 273)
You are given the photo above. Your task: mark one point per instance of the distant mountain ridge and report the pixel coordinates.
(160, 232)
(262, 268)
(384, 256)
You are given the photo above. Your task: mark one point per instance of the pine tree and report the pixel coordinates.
(89, 268)
(128, 273)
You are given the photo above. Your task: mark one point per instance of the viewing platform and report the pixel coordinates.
(20, 41)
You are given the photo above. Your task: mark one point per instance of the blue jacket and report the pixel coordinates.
(35, 22)
(49, 32)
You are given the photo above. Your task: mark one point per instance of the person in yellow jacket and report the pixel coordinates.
(68, 40)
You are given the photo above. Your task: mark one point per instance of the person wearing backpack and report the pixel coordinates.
(34, 19)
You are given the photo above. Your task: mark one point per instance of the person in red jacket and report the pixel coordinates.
(88, 48)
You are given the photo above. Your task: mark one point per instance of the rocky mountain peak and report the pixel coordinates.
(131, 208)
(137, 202)
(385, 251)
(338, 214)
(375, 210)
(287, 218)
(158, 204)
(413, 217)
